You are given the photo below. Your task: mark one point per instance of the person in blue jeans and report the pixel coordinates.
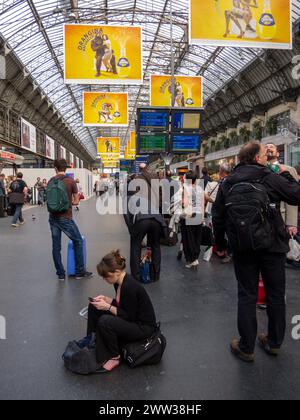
(63, 223)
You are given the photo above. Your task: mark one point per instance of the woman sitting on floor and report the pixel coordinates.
(128, 318)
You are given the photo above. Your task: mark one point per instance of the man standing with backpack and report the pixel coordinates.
(62, 194)
(247, 209)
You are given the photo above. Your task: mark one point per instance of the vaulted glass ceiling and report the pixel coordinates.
(33, 30)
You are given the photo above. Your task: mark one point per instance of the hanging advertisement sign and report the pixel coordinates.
(132, 142)
(100, 54)
(50, 148)
(109, 146)
(63, 152)
(188, 91)
(241, 23)
(110, 163)
(28, 136)
(105, 109)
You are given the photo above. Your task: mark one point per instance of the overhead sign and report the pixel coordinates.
(109, 146)
(50, 148)
(152, 143)
(103, 54)
(241, 23)
(28, 136)
(11, 157)
(188, 91)
(105, 109)
(185, 143)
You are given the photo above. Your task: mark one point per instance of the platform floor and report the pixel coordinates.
(197, 312)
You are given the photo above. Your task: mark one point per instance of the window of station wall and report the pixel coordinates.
(213, 166)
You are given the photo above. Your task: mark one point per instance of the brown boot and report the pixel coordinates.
(235, 349)
(264, 344)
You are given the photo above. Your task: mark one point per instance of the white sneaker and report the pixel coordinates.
(14, 225)
(22, 223)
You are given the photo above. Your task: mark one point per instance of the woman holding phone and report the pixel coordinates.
(129, 317)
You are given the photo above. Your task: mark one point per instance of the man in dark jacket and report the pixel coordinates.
(269, 261)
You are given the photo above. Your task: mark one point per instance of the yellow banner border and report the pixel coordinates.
(105, 125)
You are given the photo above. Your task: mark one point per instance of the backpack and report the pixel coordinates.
(248, 210)
(57, 196)
(145, 352)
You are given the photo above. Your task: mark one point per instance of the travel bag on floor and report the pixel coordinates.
(80, 356)
(145, 352)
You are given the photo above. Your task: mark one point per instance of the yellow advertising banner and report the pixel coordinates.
(132, 142)
(110, 163)
(105, 109)
(241, 23)
(188, 91)
(100, 54)
(109, 146)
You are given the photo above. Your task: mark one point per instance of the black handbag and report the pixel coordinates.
(207, 236)
(145, 352)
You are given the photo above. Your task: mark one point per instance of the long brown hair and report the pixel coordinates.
(111, 263)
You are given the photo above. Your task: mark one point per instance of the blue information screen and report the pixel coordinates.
(186, 120)
(186, 142)
(156, 119)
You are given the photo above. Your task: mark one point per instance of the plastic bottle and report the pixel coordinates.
(267, 26)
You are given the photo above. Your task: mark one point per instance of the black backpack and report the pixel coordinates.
(248, 224)
(145, 352)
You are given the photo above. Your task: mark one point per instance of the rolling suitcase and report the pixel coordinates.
(71, 257)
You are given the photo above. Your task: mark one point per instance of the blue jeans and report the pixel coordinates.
(69, 228)
(18, 214)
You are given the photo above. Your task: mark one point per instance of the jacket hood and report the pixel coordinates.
(246, 173)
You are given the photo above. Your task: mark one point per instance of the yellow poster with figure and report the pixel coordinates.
(105, 109)
(103, 54)
(188, 91)
(109, 147)
(241, 23)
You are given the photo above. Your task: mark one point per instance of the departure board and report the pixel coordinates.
(152, 143)
(153, 119)
(185, 143)
(184, 120)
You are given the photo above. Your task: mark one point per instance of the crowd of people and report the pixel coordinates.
(251, 212)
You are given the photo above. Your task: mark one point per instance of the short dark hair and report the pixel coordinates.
(248, 152)
(297, 167)
(204, 171)
(191, 175)
(61, 165)
(19, 175)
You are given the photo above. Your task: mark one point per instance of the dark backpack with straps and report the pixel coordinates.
(248, 224)
(57, 196)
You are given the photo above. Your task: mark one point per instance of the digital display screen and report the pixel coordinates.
(152, 143)
(126, 165)
(154, 119)
(182, 120)
(189, 143)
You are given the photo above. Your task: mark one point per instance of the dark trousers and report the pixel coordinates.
(2, 206)
(247, 269)
(139, 230)
(69, 227)
(111, 331)
(18, 214)
(191, 241)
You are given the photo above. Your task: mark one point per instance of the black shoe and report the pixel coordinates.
(295, 265)
(85, 275)
(179, 255)
(62, 277)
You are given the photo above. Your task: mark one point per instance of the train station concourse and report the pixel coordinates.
(150, 202)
